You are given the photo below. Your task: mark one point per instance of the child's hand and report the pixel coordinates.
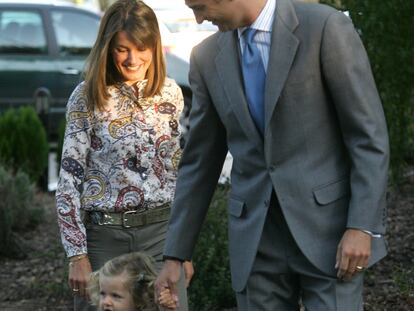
(166, 300)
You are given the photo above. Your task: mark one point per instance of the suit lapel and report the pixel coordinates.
(229, 71)
(283, 49)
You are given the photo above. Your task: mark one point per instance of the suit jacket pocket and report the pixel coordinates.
(331, 192)
(236, 207)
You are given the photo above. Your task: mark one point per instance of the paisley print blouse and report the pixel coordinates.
(123, 158)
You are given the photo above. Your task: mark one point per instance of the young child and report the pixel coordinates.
(125, 283)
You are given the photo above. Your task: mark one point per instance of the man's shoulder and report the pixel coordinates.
(313, 17)
(209, 42)
(312, 10)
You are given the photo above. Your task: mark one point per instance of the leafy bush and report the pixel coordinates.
(6, 239)
(17, 210)
(403, 277)
(23, 142)
(211, 286)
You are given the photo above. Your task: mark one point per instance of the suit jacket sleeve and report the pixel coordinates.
(199, 170)
(348, 76)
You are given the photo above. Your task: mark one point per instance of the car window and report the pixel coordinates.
(22, 32)
(75, 32)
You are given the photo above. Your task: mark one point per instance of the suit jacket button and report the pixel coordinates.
(272, 168)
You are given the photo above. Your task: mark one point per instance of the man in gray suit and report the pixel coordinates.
(310, 148)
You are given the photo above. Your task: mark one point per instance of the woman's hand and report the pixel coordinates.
(188, 272)
(79, 275)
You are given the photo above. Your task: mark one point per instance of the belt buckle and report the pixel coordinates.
(137, 213)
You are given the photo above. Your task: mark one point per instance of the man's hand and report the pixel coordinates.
(353, 251)
(168, 279)
(188, 272)
(79, 275)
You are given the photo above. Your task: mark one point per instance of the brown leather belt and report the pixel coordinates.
(130, 219)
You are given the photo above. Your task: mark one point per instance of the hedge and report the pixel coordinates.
(23, 142)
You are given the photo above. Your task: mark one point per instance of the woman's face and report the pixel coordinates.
(131, 61)
(114, 295)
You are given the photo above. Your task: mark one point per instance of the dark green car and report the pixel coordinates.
(43, 47)
(42, 53)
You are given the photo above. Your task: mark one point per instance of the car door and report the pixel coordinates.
(75, 33)
(25, 59)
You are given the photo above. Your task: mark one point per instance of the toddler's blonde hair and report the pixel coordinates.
(140, 276)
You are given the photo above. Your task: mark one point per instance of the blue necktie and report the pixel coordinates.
(254, 77)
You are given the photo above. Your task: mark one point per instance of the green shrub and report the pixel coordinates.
(404, 279)
(211, 286)
(6, 218)
(23, 142)
(26, 213)
(17, 210)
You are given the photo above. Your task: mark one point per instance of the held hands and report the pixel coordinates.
(166, 300)
(168, 280)
(79, 274)
(353, 253)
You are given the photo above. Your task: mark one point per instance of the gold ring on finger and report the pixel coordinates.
(359, 268)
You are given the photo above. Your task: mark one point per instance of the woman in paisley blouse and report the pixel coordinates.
(121, 149)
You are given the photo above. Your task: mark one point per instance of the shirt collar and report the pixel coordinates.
(265, 19)
(129, 91)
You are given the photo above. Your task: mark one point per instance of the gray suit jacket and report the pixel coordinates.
(324, 151)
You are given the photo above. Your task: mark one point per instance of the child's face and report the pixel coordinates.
(114, 295)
